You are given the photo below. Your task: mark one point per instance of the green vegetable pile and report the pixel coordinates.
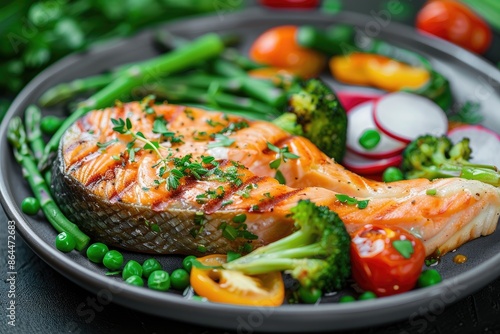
(37, 33)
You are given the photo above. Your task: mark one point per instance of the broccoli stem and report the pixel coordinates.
(17, 137)
(262, 266)
(296, 239)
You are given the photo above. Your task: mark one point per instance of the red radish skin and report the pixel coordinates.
(351, 99)
(360, 119)
(485, 143)
(364, 166)
(404, 116)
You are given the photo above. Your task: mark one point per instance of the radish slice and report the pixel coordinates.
(351, 99)
(362, 165)
(404, 116)
(485, 143)
(360, 119)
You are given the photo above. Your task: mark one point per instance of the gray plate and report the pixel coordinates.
(471, 77)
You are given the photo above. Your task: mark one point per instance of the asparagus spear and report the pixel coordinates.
(67, 90)
(180, 59)
(259, 89)
(202, 80)
(232, 64)
(33, 118)
(170, 41)
(17, 137)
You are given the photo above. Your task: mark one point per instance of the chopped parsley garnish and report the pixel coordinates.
(103, 146)
(280, 177)
(233, 127)
(189, 113)
(147, 104)
(213, 123)
(245, 192)
(210, 194)
(237, 230)
(404, 247)
(160, 126)
(199, 220)
(221, 141)
(283, 154)
(352, 201)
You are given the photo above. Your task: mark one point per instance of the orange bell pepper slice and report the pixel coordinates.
(233, 287)
(377, 71)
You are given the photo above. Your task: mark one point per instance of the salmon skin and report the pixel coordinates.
(121, 191)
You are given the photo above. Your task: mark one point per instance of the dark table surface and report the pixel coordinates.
(47, 302)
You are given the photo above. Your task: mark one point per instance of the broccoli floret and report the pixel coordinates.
(433, 157)
(288, 122)
(315, 112)
(316, 255)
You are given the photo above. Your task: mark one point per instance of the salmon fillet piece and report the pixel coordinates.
(128, 203)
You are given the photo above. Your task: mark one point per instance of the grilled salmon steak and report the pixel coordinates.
(172, 179)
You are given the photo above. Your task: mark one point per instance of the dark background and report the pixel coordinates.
(47, 302)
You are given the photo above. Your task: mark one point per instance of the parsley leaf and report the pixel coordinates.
(221, 141)
(352, 201)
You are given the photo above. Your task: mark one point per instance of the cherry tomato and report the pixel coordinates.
(456, 23)
(290, 3)
(277, 47)
(233, 287)
(386, 260)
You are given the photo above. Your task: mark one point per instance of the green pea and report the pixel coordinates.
(135, 280)
(179, 279)
(96, 252)
(367, 295)
(369, 139)
(392, 174)
(149, 266)
(50, 124)
(347, 299)
(429, 277)
(159, 280)
(30, 206)
(65, 242)
(132, 268)
(113, 260)
(187, 262)
(309, 296)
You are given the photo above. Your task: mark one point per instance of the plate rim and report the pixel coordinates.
(95, 282)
